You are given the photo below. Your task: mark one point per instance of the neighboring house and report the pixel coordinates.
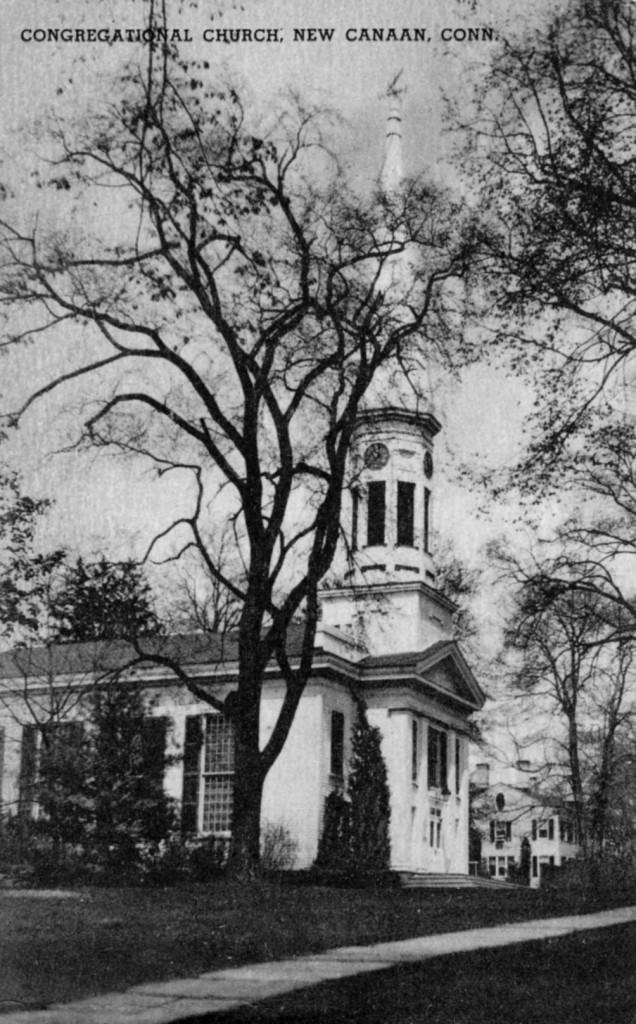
(385, 635)
(509, 810)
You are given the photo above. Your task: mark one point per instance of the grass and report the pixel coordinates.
(53, 950)
(586, 978)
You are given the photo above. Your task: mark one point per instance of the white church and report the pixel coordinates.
(385, 634)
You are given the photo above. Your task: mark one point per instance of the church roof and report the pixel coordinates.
(440, 668)
(112, 655)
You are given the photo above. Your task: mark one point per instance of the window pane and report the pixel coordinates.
(218, 777)
(219, 745)
(405, 506)
(218, 800)
(376, 512)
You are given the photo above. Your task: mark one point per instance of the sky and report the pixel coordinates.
(104, 505)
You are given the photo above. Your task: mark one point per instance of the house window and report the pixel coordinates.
(376, 512)
(435, 828)
(414, 749)
(427, 520)
(405, 508)
(492, 865)
(437, 759)
(218, 775)
(336, 766)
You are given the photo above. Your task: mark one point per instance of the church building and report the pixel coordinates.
(385, 636)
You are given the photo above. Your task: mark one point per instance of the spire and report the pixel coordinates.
(391, 173)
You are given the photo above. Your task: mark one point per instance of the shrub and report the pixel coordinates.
(278, 847)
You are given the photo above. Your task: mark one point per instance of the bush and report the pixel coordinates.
(278, 847)
(590, 876)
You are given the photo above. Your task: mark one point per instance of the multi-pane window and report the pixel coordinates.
(218, 774)
(405, 511)
(376, 512)
(543, 829)
(437, 759)
(337, 744)
(435, 828)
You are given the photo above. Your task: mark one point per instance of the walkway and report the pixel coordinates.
(167, 1002)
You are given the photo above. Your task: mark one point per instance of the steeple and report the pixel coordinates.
(392, 170)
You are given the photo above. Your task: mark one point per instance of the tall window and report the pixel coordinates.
(437, 759)
(337, 744)
(458, 765)
(218, 774)
(427, 520)
(414, 749)
(405, 507)
(376, 512)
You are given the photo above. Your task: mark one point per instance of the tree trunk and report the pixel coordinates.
(244, 857)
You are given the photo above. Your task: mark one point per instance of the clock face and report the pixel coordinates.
(428, 465)
(376, 456)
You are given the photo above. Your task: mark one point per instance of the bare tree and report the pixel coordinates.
(234, 318)
(573, 659)
(551, 148)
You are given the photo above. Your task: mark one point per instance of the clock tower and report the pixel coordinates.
(388, 600)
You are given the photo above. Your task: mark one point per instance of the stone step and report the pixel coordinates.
(424, 880)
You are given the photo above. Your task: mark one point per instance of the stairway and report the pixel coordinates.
(423, 880)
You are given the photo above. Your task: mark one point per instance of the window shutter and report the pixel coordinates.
(534, 828)
(508, 831)
(443, 739)
(191, 773)
(336, 766)
(28, 763)
(492, 831)
(153, 747)
(551, 828)
(432, 762)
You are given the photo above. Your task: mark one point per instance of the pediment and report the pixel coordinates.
(445, 667)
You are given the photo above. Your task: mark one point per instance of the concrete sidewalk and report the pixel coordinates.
(166, 1002)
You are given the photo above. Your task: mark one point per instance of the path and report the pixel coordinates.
(166, 1002)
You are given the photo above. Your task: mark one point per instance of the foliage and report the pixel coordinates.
(278, 847)
(25, 576)
(355, 834)
(370, 798)
(557, 115)
(102, 601)
(127, 772)
(334, 848)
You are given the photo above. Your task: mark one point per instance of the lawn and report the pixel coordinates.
(54, 949)
(587, 978)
